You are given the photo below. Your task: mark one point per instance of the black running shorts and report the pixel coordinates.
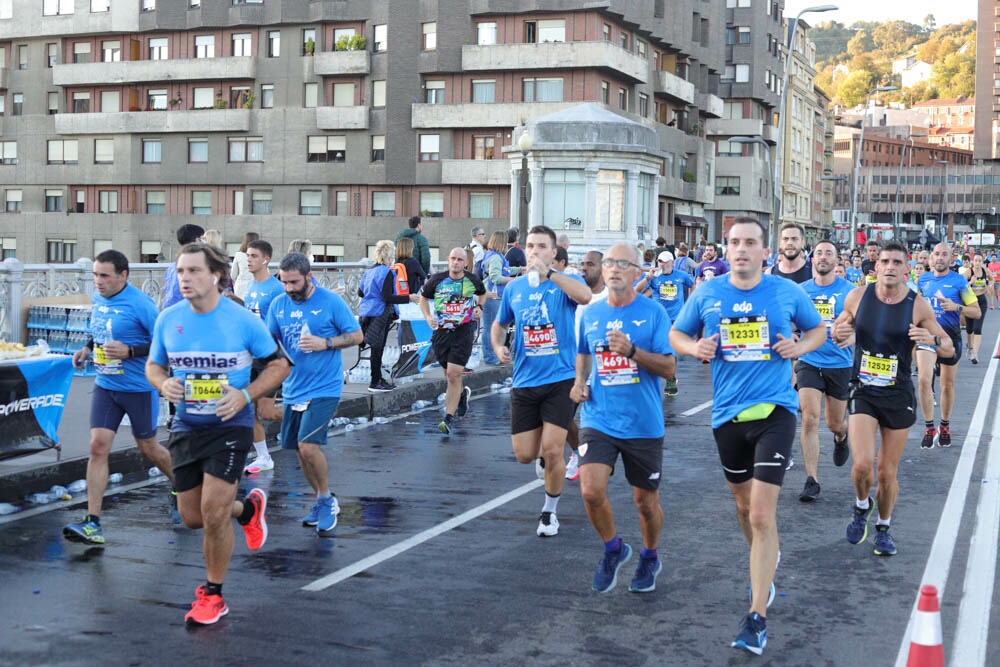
(894, 409)
(453, 346)
(530, 407)
(219, 452)
(834, 382)
(642, 458)
(757, 449)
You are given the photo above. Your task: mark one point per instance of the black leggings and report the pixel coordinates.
(975, 327)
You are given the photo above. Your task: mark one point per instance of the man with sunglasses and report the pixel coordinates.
(544, 354)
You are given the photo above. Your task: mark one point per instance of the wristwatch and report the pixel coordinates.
(549, 274)
(329, 343)
(937, 341)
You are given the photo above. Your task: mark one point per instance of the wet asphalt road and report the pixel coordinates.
(488, 592)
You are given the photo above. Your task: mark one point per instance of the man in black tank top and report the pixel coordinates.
(887, 319)
(792, 263)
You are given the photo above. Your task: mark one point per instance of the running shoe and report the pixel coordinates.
(753, 634)
(548, 525)
(445, 425)
(381, 387)
(644, 579)
(573, 467)
(857, 529)
(930, 435)
(85, 531)
(256, 529)
(327, 513)
(312, 518)
(974, 358)
(841, 451)
(884, 544)
(540, 468)
(670, 389)
(175, 515)
(206, 609)
(463, 402)
(259, 465)
(791, 462)
(944, 436)
(810, 491)
(607, 571)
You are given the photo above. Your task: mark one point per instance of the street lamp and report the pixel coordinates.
(782, 103)
(857, 164)
(846, 181)
(524, 144)
(944, 195)
(897, 219)
(772, 230)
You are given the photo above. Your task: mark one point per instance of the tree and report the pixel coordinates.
(929, 23)
(854, 88)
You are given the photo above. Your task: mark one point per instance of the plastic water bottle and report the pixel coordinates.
(349, 427)
(533, 278)
(155, 472)
(441, 399)
(305, 332)
(60, 493)
(496, 386)
(7, 508)
(341, 285)
(79, 486)
(39, 498)
(361, 421)
(381, 420)
(115, 478)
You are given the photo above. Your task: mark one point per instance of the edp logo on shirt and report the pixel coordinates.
(744, 307)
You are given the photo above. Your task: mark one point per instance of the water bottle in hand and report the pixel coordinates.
(305, 332)
(533, 278)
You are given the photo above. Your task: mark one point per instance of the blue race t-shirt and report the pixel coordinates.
(261, 294)
(626, 400)
(171, 288)
(951, 286)
(829, 303)
(668, 290)
(544, 341)
(207, 351)
(854, 275)
(745, 371)
(314, 374)
(128, 317)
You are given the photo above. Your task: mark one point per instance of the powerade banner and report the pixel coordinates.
(32, 395)
(414, 348)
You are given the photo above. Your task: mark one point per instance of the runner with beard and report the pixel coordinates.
(792, 262)
(711, 265)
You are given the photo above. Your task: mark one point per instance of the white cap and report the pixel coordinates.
(665, 256)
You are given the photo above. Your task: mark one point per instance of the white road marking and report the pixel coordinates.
(696, 409)
(407, 544)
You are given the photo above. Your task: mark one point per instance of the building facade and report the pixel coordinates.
(987, 135)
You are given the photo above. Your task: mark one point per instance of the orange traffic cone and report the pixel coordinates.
(926, 648)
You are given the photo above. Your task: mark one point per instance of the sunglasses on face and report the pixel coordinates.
(620, 263)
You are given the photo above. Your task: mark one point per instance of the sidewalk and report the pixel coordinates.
(39, 472)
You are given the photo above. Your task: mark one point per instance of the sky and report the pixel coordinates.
(912, 11)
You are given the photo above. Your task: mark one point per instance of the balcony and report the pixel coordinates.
(503, 114)
(554, 55)
(342, 118)
(475, 172)
(734, 127)
(709, 104)
(204, 120)
(771, 134)
(332, 63)
(3, 78)
(673, 87)
(142, 71)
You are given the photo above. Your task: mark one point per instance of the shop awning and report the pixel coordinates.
(690, 220)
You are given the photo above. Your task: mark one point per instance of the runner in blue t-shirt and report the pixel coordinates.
(213, 428)
(622, 353)
(670, 288)
(121, 327)
(314, 325)
(544, 354)
(262, 290)
(826, 371)
(748, 320)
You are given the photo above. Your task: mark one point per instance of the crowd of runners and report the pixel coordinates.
(593, 349)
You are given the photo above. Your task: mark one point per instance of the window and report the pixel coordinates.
(727, 185)
(484, 148)
(260, 202)
(201, 202)
(378, 148)
(308, 40)
(729, 148)
(327, 149)
(52, 53)
(158, 48)
(104, 151)
(81, 52)
(543, 90)
(9, 248)
(53, 103)
(430, 146)
(22, 56)
(148, 5)
(152, 151)
(564, 194)
(554, 30)
(310, 202)
(204, 46)
(381, 37)
(484, 91)
(273, 43)
(643, 105)
(156, 99)
(604, 92)
(383, 204)
(12, 201)
(110, 101)
(378, 93)
(429, 31)
(98, 6)
(742, 73)
(239, 97)
(241, 45)
(246, 149)
(237, 207)
(60, 251)
(743, 34)
(730, 35)
(8, 152)
(624, 41)
(622, 98)
(328, 252)
(341, 204)
(57, 7)
(267, 96)
(640, 48)
(486, 33)
(198, 150)
(81, 102)
(432, 204)
(107, 201)
(480, 205)
(17, 108)
(343, 94)
(63, 151)
(204, 98)
(610, 214)
(156, 202)
(435, 92)
(311, 95)
(53, 201)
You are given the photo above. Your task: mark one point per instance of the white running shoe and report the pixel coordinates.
(548, 525)
(259, 464)
(573, 467)
(540, 468)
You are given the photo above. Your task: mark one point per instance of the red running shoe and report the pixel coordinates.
(206, 609)
(256, 530)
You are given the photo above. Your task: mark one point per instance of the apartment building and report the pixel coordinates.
(336, 120)
(987, 105)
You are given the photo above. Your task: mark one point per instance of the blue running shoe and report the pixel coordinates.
(85, 531)
(329, 508)
(884, 544)
(175, 515)
(644, 580)
(312, 518)
(857, 529)
(753, 634)
(607, 571)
